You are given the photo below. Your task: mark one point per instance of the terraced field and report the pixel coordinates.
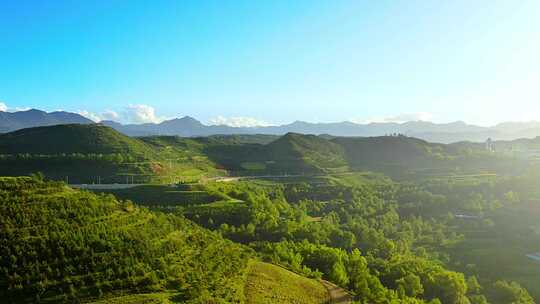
(59, 244)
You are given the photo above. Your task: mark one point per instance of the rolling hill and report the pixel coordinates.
(313, 150)
(71, 138)
(78, 153)
(62, 245)
(398, 150)
(59, 244)
(99, 154)
(96, 153)
(289, 154)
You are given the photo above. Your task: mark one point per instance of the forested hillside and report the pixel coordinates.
(99, 154)
(433, 233)
(62, 245)
(383, 241)
(68, 139)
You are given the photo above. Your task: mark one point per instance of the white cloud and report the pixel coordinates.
(238, 122)
(110, 115)
(5, 108)
(400, 118)
(89, 115)
(140, 113)
(134, 113)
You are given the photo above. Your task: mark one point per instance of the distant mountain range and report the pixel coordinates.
(190, 127)
(12, 121)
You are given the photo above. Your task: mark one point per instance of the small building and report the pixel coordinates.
(489, 145)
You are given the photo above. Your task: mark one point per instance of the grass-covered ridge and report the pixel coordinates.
(270, 284)
(99, 154)
(59, 244)
(70, 139)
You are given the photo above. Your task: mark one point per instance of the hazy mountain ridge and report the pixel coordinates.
(12, 121)
(432, 132)
(190, 127)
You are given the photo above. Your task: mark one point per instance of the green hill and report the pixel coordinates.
(58, 245)
(292, 154)
(99, 154)
(312, 152)
(362, 151)
(405, 157)
(68, 139)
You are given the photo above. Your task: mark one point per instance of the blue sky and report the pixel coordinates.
(243, 62)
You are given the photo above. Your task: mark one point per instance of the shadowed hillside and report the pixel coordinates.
(290, 154)
(95, 153)
(369, 152)
(99, 154)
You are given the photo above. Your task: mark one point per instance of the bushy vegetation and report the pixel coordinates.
(382, 241)
(95, 153)
(453, 226)
(98, 154)
(62, 245)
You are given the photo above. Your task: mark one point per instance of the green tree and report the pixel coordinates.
(511, 292)
(411, 284)
(448, 286)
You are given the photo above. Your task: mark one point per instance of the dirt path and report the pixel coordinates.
(337, 294)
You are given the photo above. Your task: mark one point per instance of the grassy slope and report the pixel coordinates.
(267, 283)
(88, 245)
(71, 139)
(79, 153)
(183, 158)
